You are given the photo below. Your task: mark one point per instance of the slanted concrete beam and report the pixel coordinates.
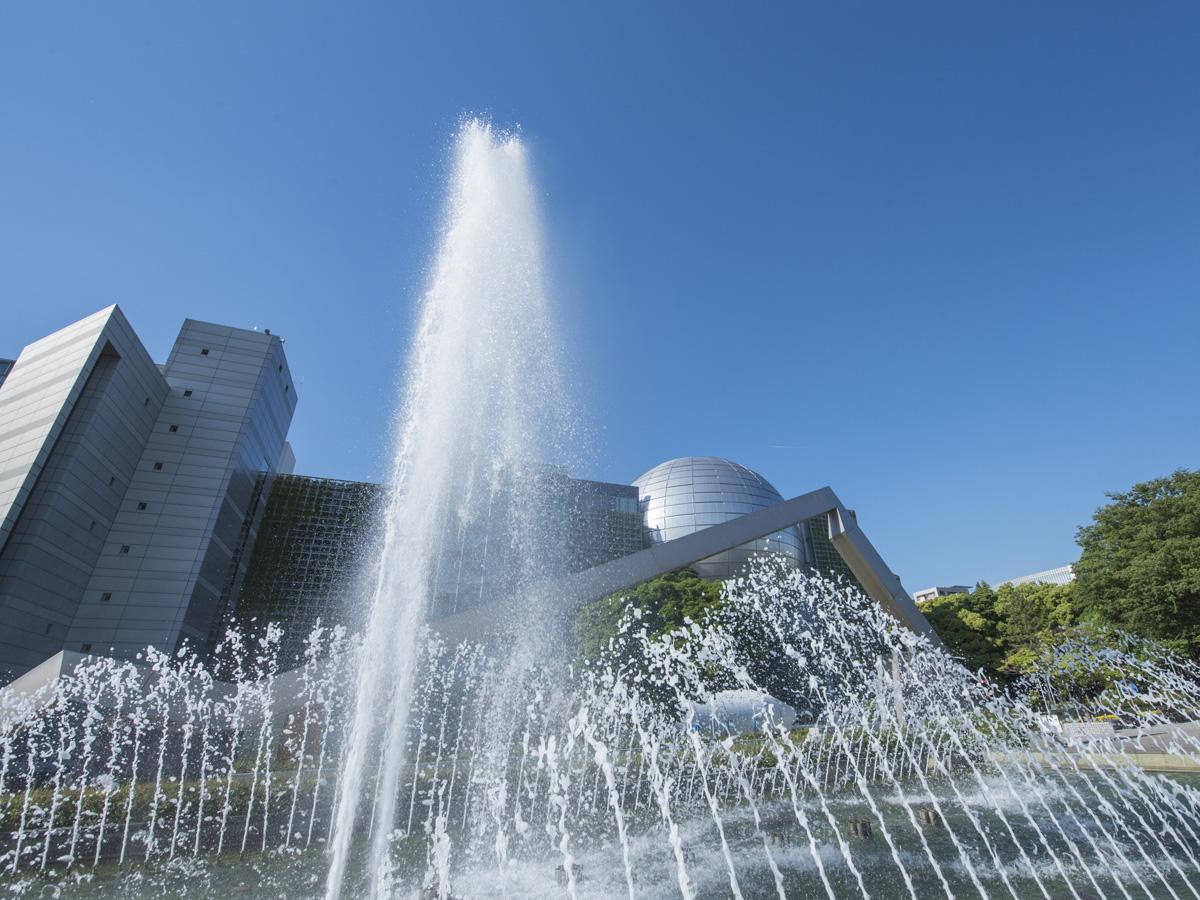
(880, 583)
(564, 596)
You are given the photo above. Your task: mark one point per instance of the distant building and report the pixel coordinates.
(933, 593)
(130, 492)
(1061, 575)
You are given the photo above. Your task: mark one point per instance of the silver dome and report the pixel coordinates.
(688, 494)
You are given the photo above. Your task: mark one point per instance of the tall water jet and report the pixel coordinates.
(481, 410)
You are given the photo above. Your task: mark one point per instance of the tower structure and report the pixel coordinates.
(130, 492)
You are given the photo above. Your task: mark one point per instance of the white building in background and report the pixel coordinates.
(1061, 575)
(932, 593)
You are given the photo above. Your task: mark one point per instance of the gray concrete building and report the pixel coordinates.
(130, 492)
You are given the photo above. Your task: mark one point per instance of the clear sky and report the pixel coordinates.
(940, 256)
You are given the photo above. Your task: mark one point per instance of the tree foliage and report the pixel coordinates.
(1139, 573)
(968, 626)
(998, 629)
(1140, 567)
(1026, 613)
(665, 603)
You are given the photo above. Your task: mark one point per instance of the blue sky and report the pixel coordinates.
(940, 256)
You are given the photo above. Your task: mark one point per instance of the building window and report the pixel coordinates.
(173, 429)
(187, 393)
(48, 627)
(111, 479)
(204, 352)
(85, 648)
(124, 548)
(281, 367)
(158, 467)
(92, 527)
(285, 388)
(141, 506)
(146, 402)
(106, 596)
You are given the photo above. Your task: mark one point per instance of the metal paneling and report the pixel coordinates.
(691, 493)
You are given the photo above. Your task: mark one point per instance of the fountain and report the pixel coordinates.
(480, 407)
(860, 762)
(164, 775)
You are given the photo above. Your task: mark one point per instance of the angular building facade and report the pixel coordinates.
(311, 561)
(145, 504)
(319, 535)
(309, 557)
(129, 492)
(603, 523)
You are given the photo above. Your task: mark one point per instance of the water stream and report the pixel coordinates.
(477, 419)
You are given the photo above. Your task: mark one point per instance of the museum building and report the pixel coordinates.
(145, 504)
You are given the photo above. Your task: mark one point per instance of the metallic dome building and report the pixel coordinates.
(691, 493)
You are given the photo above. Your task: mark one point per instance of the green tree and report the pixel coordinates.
(1140, 566)
(1084, 668)
(969, 626)
(995, 629)
(664, 602)
(1026, 613)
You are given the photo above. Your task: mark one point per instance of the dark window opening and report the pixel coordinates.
(285, 388)
(146, 402)
(85, 648)
(187, 393)
(124, 548)
(173, 429)
(158, 467)
(48, 627)
(106, 596)
(141, 506)
(111, 479)
(204, 352)
(92, 527)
